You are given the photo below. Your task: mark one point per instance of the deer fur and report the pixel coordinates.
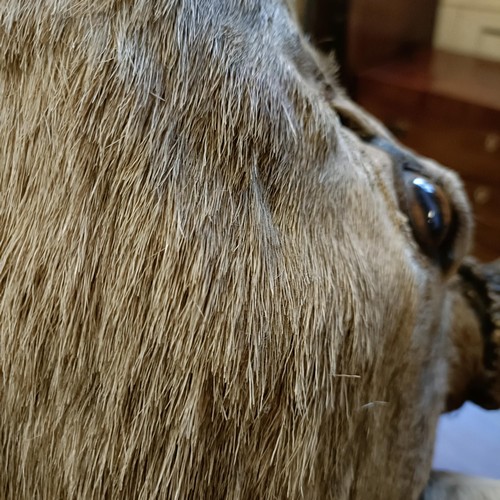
(207, 289)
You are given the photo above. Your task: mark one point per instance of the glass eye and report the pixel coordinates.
(430, 213)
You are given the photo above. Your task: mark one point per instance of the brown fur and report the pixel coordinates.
(207, 288)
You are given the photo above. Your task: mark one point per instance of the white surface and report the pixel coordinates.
(469, 27)
(474, 4)
(468, 441)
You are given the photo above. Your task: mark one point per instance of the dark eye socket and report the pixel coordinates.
(431, 216)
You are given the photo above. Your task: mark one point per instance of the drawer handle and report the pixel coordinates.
(482, 195)
(492, 143)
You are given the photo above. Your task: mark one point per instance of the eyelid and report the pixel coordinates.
(401, 159)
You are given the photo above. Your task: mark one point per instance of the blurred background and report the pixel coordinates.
(430, 70)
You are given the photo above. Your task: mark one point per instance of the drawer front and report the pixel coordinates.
(471, 152)
(485, 201)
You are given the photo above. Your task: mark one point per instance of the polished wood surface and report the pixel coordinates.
(440, 73)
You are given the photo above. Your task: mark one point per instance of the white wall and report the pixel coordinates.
(469, 27)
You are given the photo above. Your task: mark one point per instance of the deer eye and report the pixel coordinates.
(430, 213)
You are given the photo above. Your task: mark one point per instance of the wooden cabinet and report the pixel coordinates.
(446, 107)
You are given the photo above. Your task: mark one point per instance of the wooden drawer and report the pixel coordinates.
(485, 201)
(472, 153)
